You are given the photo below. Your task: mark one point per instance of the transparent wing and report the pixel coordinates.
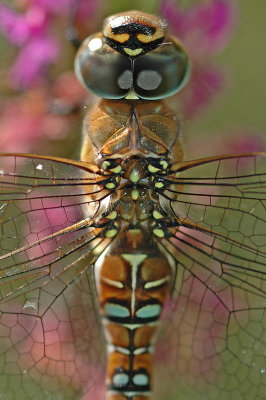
(214, 333)
(214, 342)
(50, 335)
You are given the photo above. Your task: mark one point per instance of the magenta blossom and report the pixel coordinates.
(55, 7)
(32, 32)
(31, 63)
(29, 31)
(204, 30)
(244, 141)
(19, 28)
(25, 121)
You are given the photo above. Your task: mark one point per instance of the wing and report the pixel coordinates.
(49, 331)
(214, 319)
(214, 342)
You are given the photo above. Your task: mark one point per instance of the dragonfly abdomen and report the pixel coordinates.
(133, 287)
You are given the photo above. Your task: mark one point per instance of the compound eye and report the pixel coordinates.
(161, 72)
(103, 70)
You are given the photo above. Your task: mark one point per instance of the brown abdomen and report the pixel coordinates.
(133, 287)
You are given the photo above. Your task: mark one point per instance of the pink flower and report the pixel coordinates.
(86, 9)
(55, 7)
(26, 121)
(206, 81)
(38, 49)
(32, 32)
(31, 63)
(23, 122)
(206, 24)
(16, 27)
(245, 141)
(205, 30)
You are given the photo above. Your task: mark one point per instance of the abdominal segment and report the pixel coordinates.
(133, 287)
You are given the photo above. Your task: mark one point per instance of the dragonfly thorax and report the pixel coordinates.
(135, 185)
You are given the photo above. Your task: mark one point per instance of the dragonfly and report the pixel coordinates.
(132, 266)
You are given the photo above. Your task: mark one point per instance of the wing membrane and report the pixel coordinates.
(47, 320)
(215, 329)
(215, 317)
(47, 207)
(224, 195)
(44, 196)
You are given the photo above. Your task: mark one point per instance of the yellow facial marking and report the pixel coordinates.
(121, 38)
(158, 232)
(149, 38)
(159, 185)
(131, 52)
(110, 185)
(145, 38)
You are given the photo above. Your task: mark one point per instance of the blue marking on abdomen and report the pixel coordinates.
(149, 311)
(115, 310)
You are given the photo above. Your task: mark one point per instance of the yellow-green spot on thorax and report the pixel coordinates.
(157, 214)
(159, 185)
(158, 232)
(153, 169)
(134, 176)
(106, 164)
(111, 233)
(110, 185)
(117, 169)
(135, 194)
(112, 215)
(134, 231)
(164, 164)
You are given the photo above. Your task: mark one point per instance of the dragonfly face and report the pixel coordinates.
(132, 58)
(94, 252)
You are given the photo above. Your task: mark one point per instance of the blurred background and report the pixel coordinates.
(222, 108)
